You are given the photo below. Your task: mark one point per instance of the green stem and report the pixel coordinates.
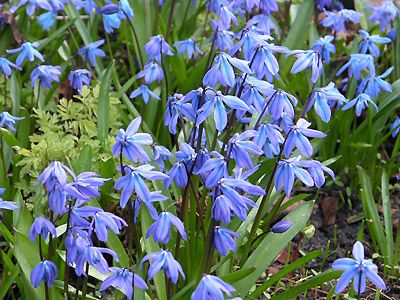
(170, 17)
(46, 288)
(135, 37)
(164, 71)
(85, 282)
(66, 266)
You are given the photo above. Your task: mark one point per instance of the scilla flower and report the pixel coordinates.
(373, 85)
(361, 102)
(307, 59)
(164, 260)
(104, 221)
(337, 20)
(10, 205)
(157, 46)
(223, 240)
(358, 270)
(188, 47)
(212, 287)
(325, 47)
(45, 271)
(396, 127)
(27, 51)
(42, 226)
(8, 120)
(161, 229)
(47, 20)
(152, 71)
(368, 43)
(384, 14)
(357, 63)
(145, 93)
(6, 65)
(281, 226)
(78, 78)
(45, 74)
(91, 51)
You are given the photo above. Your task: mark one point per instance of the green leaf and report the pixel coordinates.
(9, 138)
(103, 110)
(237, 275)
(271, 246)
(15, 93)
(11, 273)
(84, 161)
(387, 215)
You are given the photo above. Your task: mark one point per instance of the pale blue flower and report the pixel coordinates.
(6, 66)
(384, 14)
(325, 47)
(164, 260)
(27, 51)
(212, 288)
(357, 63)
(368, 43)
(6, 119)
(152, 71)
(145, 93)
(307, 59)
(91, 51)
(361, 102)
(161, 228)
(188, 47)
(337, 20)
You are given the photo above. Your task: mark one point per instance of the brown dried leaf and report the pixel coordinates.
(329, 207)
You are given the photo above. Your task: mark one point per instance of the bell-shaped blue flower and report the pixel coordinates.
(45, 271)
(6, 66)
(357, 63)
(10, 205)
(47, 20)
(373, 85)
(188, 47)
(269, 137)
(164, 260)
(91, 51)
(384, 14)
(8, 120)
(368, 43)
(281, 102)
(307, 59)
(79, 78)
(161, 228)
(45, 74)
(111, 22)
(212, 287)
(27, 51)
(361, 102)
(156, 47)
(145, 93)
(325, 47)
(152, 71)
(240, 146)
(337, 20)
(42, 226)
(105, 220)
(224, 240)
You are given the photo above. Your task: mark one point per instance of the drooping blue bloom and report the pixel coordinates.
(321, 4)
(281, 226)
(125, 10)
(91, 51)
(132, 182)
(154, 197)
(55, 173)
(286, 173)
(111, 22)
(104, 221)
(6, 65)
(384, 14)
(269, 138)
(45, 271)
(110, 9)
(78, 78)
(357, 63)
(307, 59)
(161, 228)
(368, 43)
(144, 92)
(88, 5)
(250, 40)
(222, 209)
(10, 205)
(60, 194)
(225, 17)
(356, 269)
(130, 142)
(325, 47)
(265, 63)
(240, 146)
(215, 102)
(214, 168)
(122, 279)
(223, 240)
(42, 226)
(47, 20)
(337, 20)
(316, 170)
(267, 7)
(321, 98)
(253, 97)
(297, 137)
(164, 260)
(157, 46)
(177, 107)
(27, 51)
(224, 40)
(45, 74)
(222, 71)
(373, 85)
(265, 24)
(79, 216)
(161, 153)
(32, 6)
(152, 71)
(212, 287)
(361, 102)
(6, 119)
(396, 127)
(281, 102)
(188, 47)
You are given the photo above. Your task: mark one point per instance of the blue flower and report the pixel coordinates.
(161, 153)
(10, 205)
(131, 142)
(265, 24)
(281, 226)
(79, 216)
(55, 173)
(253, 97)
(223, 240)
(164, 260)
(47, 20)
(45, 271)
(31, 6)
(307, 59)
(42, 226)
(357, 269)
(361, 102)
(250, 40)
(111, 22)
(157, 46)
(154, 197)
(281, 102)
(358, 63)
(46, 74)
(188, 47)
(337, 20)
(321, 98)
(225, 17)
(6, 65)
(324, 47)
(267, 7)
(125, 10)
(8, 120)
(88, 5)
(104, 221)
(27, 51)
(144, 92)
(91, 51)
(396, 127)
(222, 71)
(224, 40)
(110, 9)
(60, 194)
(321, 4)
(316, 170)
(384, 14)
(152, 71)
(269, 138)
(215, 102)
(368, 43)
(240, 146)
(161, 228)
(212, 287)
(78, 78)
(265, 63)
(122, 279)
(373, 85)
(297, 138)
(177, 107)
(215, 169)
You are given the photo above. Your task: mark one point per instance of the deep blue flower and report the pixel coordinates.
(110, 9)
(157, 46)
(152, 71)
(122, 279)
(144, 92)
(357, 63)
(356, 269)
(91, 51)
(250, 40)
(361, 102)
(179, 172)
(215, 169)
(281, 102)
(223, 240)
(240, 146)
(316, 170)
(27, 51)
(265, 24)
(45, 74)
(265, 63)
(267, 7)
(337, 20)
(253, 98)
(269, 138)
(60, 194)
(188, 47)
(78, 78)
(321, 4)
(307, 59)
(224, 40)
(161, 228)
(104, 221)
(373, 85)
(8, 120)
(42, 226)
(212, 287)
(396, 127)
(222, 209)
(111, 22)
(47, 20)
(222, 71)
(281, 226)
(55, 173)
(225, 17)
(45, 271)
(6, 65)
(154, 197)
(177, 107)
(164, 260)
(79, 216)
(322, 97)
(325, 47)
(131, 142)
(384, 14)
(161, 153)
(297, 137)
(10, 205)
(368, 43)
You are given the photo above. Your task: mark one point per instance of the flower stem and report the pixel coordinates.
(85, 282)
(135, 37)
(164, 71)
(46, 288)
(170, 17)
(66, 266)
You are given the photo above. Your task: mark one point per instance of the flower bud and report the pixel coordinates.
(281, 226)
(110, 9)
